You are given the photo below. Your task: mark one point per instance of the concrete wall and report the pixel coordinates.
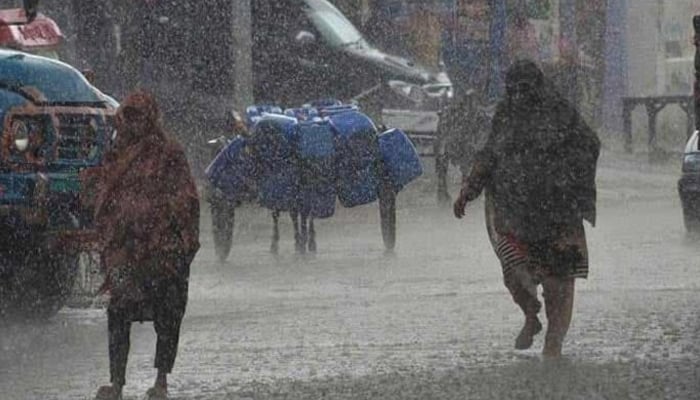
(659, 62)
(676, 49)
(643, 47)
(659, 45)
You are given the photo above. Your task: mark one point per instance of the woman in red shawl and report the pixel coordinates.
(147, 217)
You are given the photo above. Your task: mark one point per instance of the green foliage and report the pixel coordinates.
(534, 9)
(539, 9)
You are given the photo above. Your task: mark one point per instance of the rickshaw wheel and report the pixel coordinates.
(222, 222)
(387, 214)
(40, 286)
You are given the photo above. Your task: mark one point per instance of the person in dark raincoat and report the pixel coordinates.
(147, 218)
(538, 171)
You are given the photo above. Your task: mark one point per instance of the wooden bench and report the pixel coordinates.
(654, 105)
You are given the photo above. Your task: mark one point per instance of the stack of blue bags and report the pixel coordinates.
(303, 158)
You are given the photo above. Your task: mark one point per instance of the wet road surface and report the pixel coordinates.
(431, 321)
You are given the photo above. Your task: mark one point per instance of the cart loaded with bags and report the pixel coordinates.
(305, 161)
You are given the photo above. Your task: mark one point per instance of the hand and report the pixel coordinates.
(460, 205)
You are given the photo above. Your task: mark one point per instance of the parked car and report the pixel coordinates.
(689, 185)
(308, 49)
(55, 125)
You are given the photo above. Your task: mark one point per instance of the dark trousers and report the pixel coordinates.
(165, 303)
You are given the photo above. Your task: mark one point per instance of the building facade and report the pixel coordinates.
(640, 47)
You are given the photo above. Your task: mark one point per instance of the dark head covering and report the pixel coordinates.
(525, 85)
(138, 117)
(524, 70)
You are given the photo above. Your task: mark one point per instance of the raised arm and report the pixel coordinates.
(480, 174)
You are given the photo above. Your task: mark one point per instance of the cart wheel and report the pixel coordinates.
(387, 213)
(222, 216)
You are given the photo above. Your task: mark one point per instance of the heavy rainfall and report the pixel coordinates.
(344, 199)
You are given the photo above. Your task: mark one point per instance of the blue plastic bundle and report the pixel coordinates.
(305, 158)
(356, 158)
(323, 103)
(255, 113)
(337, 109)
(316, 159)
(273, 146)
(302, 114)
(400, 158)
(233, 171)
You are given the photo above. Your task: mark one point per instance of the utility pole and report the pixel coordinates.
(568, 50)
(696, 26)
(616, 71)
(241, 32)
(497, 46)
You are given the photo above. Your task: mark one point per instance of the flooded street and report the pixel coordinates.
(432, 320)
(128, 124)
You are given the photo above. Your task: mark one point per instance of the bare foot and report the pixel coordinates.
(109, 393)
(532, 327)
(552, 349)
(157, 393)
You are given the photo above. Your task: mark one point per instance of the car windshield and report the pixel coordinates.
(45, 80)
(335, 28)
